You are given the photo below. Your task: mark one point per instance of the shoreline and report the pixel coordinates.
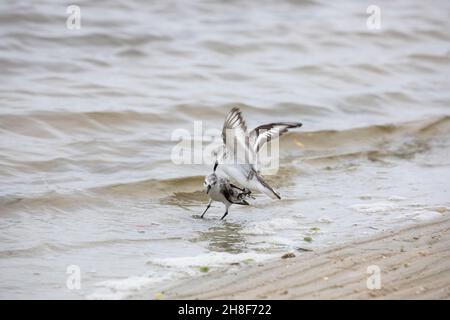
(414, 263)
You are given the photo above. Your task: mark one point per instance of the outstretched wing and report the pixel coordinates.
(235, 138)
(266, 132)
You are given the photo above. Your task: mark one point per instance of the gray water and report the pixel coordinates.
(87, 117)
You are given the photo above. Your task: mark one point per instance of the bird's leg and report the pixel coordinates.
(207, 207)
(226, 212)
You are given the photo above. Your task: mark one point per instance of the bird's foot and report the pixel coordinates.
(246, 193)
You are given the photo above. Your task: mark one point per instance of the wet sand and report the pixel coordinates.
(414, 263)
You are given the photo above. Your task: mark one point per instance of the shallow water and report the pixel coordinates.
(87, 117)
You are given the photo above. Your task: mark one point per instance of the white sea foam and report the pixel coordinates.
(325, 219)
(396, 198)
(117, 289)
(377, 207)
(213, 259)
(123, 288)
(270, 227)
(423, 215)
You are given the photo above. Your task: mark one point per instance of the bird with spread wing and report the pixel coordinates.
(238, 155)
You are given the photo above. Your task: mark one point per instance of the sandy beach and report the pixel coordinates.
(414, 263)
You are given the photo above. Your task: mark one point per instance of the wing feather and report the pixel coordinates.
(235, 137)
(266, 132)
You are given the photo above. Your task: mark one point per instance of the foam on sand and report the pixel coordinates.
(213, 259)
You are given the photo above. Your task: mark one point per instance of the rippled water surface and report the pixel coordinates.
(87, 118)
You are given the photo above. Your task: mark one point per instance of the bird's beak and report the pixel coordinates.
(207, 189)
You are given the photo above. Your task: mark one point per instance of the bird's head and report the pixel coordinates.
(211, 180)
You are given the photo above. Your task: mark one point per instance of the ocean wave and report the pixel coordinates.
(325, 147)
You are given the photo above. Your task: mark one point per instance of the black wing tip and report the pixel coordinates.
(275, 193)
(286, 125)
(265, 184)
(294, 125)
(235, 119)
(233, 111)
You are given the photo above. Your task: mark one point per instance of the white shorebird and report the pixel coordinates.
(220, 189)
(238, 155)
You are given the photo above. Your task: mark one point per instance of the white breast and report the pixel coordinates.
(216, 195)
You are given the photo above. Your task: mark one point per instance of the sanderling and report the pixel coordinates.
(220, 189)
(238, 142)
